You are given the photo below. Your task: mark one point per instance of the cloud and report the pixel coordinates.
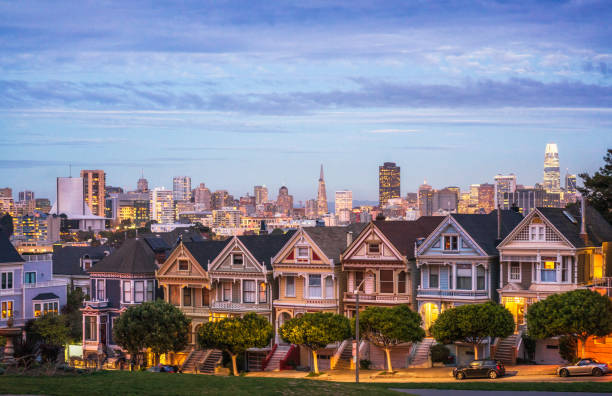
(148, 162)
(427, 148)
(395, 131)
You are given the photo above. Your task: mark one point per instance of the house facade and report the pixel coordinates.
(71, 263)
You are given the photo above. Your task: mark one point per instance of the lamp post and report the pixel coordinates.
(357, 362)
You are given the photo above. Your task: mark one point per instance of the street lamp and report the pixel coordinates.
(357, 362)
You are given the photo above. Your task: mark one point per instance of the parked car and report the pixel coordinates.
(480, 369)
(162, 368)
(584, 367)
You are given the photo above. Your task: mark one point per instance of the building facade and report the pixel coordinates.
(94, 182)
(388, 182)
(552, 173)
(161, 205)
(344, 206)
(181, 188)
(321, 196)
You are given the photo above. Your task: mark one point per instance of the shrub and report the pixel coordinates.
(439, 353)
(530, 346)
(568, 347)
(365, 364)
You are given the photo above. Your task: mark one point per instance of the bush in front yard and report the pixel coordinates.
(439, 353)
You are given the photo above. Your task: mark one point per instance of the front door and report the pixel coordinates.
(516, 306)
(103, 320)
(429, 313)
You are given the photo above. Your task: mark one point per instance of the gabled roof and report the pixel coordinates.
(332, 240)
(482, 228)
(205, 251)
(403, 234)
(598, 229)
(45, 296)
(133, 257)
(171, 238)
(264, 247)
(67, 259)
(8, 253)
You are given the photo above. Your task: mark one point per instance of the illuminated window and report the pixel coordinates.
(548, 272)
(37, 310)
(450, 242)
(7, 309)
(263, 296)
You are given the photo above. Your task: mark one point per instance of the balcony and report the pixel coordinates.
(378, 298)
(97, 303)
(452, 293)
(51, 283)
(38, 257)
(9, 292)
(307, 302)
(232, 306)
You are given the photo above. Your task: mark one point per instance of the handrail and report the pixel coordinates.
(494, 346)
(265, 362)
(187, 359)
(336, 357)
(518, 345)
(412, 354)
(292, 354)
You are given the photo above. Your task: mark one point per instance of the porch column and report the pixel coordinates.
(473, 277)
(181, 291)
(454, 269)
(241, 293)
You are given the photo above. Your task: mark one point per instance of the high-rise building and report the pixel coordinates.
(181, 188)
(321, 196)
(552, 174)
(425, 194)
(202, 197)
(161, 205)
(474, 195)
(142, 185)
(504, 184)
(94, 186)
(261, 194)
(284, 202)
(43, 205)
(388, 182)
(570, 184)
(226, 218)
(525, 199)
(221, 199)
(486, 197)
(311, 209)
(6, 192)
(444, 201)
(26, 195)
(344, 205)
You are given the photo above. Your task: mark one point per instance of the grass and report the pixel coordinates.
(143, 383)
(595, 387)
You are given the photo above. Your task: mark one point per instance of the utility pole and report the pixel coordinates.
(357, 362)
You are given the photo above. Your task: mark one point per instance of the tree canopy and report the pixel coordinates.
(236, 335)
(72, 314)
(315, 331)
(473, 323)
(154, 324)
(598, 188)
(388, 327)
(579, 313)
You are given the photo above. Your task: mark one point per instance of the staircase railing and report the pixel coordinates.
(494, 346)
(336, 357)
(203, 360)
(293, 355)
(187, 359)
(265, 362)
(413, 351)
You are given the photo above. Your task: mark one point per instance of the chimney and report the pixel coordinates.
(349, 238)
(499, 223)
(583, 232)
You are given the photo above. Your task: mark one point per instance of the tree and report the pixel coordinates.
(236, 335)
(52, 329)
(598, 188)
(578, 313)
(316, 331)
(154, 324)
(6, 224)
(473, 323)
(72, 314)
(388, 327)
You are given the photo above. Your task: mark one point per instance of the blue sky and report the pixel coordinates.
(236, 94)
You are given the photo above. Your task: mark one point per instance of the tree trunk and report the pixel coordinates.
(156, 359)
(388, 355)
(583, 347)
(234, 367)
(315, 362)
(475, 351)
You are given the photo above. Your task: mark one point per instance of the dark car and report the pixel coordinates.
(480, 369)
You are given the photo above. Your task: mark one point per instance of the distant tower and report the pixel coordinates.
(388, 182)
(143, 184)
(321, 196)
(552, 174)
(94, 187)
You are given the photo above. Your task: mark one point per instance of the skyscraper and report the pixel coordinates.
(486, 197)
(26, 195)
(570, 184)
(321, 196)
(552, 175)
(202, 197)
(388, 182)
(181, 188)
(261, 194)
(503, 184)
(142, 185)
(284, 202)
(161, 205)
(94, 187)
(344, 205)
(425, 195)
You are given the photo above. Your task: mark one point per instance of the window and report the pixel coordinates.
(464, 277)
(537, 233)
(480, 278)
(149, 290)
(187, 296)
(263, 296)
(248, 291)
(314, 286)
(227, 291)
(564, 270)
(434, 277)
(302, 252)
(91, 328)
(139, 291)
(7, 280)
(290, 286)
(237, 259)
(386, 281)
(450, 242)
(359, 280)
(183, 265)
(29, 277)
(401, 282)
(7, 309)
(37, 310)
(329, 287)
(47, 307)
(374, 248)
(127, 291)
(515, 272)
(549, 271)
(100, 289)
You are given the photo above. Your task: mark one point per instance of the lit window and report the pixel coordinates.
(7, 309)
(549, 271)
(237, 259)
(263, 297)
(450, 242)
(37, 310)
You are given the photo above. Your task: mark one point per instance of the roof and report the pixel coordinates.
(45, 296)
(598, 229)
(482, 228)
(172, 237)
(403, 234)
(157, 244)
(67, 259)
(332, 240)
(133, 257)
(264, 247)
(205, 251)
(8, 253)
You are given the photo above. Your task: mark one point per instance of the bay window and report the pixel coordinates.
(263, 295)
(314, 286)
(6, 310)
(248, 291)
(150, 290)
(290, 286)
(139, 291)
(329, 287)
(187, 296)
(480, 278)
(127, 291)
(464, 276)
(227, 291)
(386, 281)
(548, 272)
(91, 328)
(565, 272)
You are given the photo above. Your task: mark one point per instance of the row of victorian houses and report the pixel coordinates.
(431, 264)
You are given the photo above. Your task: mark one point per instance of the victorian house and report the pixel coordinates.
(551, 251)
(122, 279)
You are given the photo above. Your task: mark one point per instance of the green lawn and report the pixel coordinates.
(602, 387)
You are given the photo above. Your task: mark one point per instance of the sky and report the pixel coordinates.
(242, 93)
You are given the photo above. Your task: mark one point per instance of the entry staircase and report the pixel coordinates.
(506, 350)
(346, 356)
(420, 355)
(278, 355)
(202, 361)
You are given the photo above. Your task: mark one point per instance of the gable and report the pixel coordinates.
(301, 250)
(435, 242)
(236, 258)
(175, 264)
(535, 230)
(363, 248)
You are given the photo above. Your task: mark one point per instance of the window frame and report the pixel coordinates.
(103, 289)
(554, 271)
(25, 277)
(45, 305)
(234, 255)
(251, 293)
(5, 312)
(457, 277)
(152, 291)
(91, 328)
(287, 283)
(378, 249)
(329, 287)
(453, 242)
(483, 277)
(302, 256)
(127, 290)
(142, 292)
(386, 283)
(183, 261)
(537, 232)
(435, 274)
(402, 290)
(187, 295)
(262, 291)
(520, 273)
(312, 286)
(6, 278)
(224, 289)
